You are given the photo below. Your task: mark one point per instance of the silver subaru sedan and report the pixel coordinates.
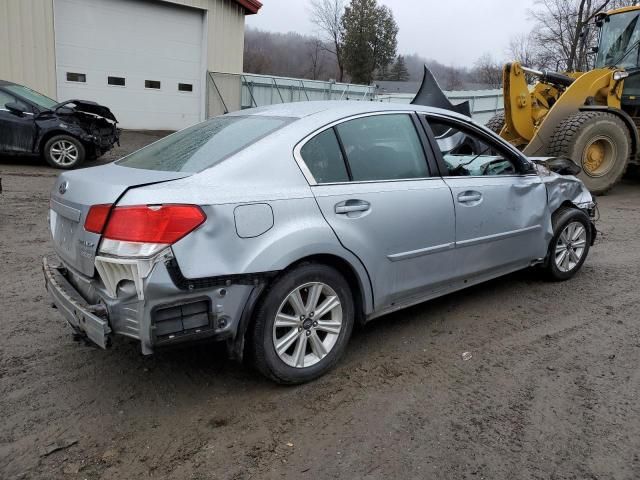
(276, 229)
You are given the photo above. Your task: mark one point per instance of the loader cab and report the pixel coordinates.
(619, 47)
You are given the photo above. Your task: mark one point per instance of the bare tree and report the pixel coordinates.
(327, 16)
(523, 49)
(453, 79)
(562, 30)
(488, 72)
(315, 48)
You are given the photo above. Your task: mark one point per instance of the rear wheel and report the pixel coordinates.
(64, 151)
(570, 244)
(303, 324)
(599, 142)
(496, 123)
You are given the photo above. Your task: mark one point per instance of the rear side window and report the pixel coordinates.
(324, 159)
(203, 145)
(383, 147)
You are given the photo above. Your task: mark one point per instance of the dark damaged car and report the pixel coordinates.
(65, 134)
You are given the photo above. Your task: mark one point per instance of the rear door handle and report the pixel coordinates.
(350, 206)
(469, 197)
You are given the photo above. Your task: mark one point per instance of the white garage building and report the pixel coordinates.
(147, 60)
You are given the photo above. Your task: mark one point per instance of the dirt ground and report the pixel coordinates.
(551, 390)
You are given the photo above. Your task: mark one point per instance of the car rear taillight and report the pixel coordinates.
(161, 224)
(97, 217)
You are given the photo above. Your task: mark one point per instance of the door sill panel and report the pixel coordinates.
(448, 288)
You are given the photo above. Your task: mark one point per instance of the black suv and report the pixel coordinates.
(64, 133)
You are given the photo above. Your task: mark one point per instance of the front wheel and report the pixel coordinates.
(303, 324)
(64, 151)
(570, 244)
(597, 141)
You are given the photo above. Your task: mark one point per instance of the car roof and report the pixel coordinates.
(341, 108)
(4, 83)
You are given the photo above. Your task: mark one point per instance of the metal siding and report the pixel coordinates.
(27, 54)
(226, 36)
(225, 22)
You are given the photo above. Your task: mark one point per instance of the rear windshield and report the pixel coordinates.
(203, 145)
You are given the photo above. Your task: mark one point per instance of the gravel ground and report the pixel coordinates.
(551, 390)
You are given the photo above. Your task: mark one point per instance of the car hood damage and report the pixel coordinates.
(94, 124)
(85, 106)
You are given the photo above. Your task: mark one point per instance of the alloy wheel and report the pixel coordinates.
(570, 246)
(64, 152)
(307, 325)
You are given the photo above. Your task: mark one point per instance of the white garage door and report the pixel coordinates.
(143, 59)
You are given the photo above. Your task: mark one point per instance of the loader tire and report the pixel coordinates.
(496, 123)
(597, 141)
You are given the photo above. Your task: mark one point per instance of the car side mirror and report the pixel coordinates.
(14, 108)
(563, 166)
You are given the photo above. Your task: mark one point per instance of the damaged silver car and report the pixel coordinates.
(277, 229)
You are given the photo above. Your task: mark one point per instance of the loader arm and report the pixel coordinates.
(596, 87)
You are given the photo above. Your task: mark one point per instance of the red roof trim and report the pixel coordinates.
(251, 6)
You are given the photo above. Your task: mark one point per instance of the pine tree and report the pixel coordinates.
(399, 72)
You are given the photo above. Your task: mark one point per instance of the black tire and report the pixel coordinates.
(573, 137)
(76, 156)
(496, 123)
(261, 336)
(560, 220)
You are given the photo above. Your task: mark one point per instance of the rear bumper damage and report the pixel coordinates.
(153, 310)
(89, 320)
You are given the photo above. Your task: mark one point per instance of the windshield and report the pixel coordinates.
(203, 145)
(40, 100)
(619, 34)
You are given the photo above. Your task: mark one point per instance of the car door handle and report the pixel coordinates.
(469, 197)
(350, 206)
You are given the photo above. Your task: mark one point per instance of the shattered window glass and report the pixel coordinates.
(203, 145)
(467, 154)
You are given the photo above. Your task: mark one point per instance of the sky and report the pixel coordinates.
(453, 32)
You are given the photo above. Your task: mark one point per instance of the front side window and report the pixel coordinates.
(324, 159)
(4, 99)
(619, 41)
(39, 99)
(203, 145)
(466, 153)
(383, 147)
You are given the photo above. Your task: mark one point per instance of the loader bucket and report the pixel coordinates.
(431, 95)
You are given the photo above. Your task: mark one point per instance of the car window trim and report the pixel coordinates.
(311, 179)
(343, 153)
(509, 150)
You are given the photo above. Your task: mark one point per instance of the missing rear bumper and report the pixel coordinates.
(89, 320)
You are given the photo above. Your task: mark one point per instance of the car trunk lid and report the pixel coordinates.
(73, 195)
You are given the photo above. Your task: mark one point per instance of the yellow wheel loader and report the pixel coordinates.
(591, 117)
